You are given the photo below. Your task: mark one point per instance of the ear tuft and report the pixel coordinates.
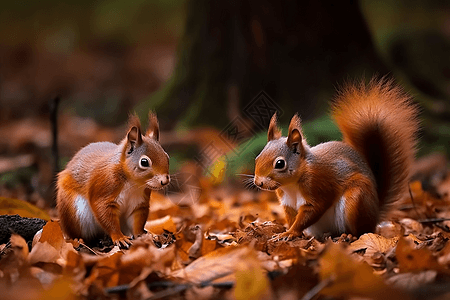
(295, 136)
(274, 132)
(153, 126)
(134, 133)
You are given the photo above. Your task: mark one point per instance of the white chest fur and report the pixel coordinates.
(292, 196)
(130, 198)
(332, 221)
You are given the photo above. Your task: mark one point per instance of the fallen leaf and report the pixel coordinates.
(346, 277)
(158, 226)
(52, 234)
(51, 247)
(19, 246)
(251, 281)
(9, 206)
(43, 252)
(105, 272)
(372, 243)
(411, 226)
(216, 264)
(412, 281)
(208, 246)
(132, 264)
(411, 259)
(14, 262)
(299, 280)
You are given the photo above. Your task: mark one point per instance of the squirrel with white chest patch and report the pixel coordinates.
(106, 187)
(343, 187)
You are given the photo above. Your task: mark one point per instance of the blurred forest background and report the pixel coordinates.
(214, 71)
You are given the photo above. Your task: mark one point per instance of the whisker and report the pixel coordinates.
(164, 189)
(246, 175)
(171, 183)
(248, 183)
(277, 184)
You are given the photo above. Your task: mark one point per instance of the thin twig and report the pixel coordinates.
(312, 293)
(433, 220)
(54, 123)
(412, 201)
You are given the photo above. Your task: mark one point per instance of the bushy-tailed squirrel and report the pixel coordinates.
(106, 187)
(343, 187)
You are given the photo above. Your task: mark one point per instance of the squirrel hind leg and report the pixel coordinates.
(89, 227)
(68, 221)
(361, 213)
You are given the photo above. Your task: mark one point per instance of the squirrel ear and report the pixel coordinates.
(134, 133)
(274, 132)
(294, 140)
(153, 126)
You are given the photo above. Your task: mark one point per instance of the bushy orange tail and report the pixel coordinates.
(380, 121)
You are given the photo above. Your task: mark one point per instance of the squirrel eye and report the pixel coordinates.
(280, 163)
(144, 162)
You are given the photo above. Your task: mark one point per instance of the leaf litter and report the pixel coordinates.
(219, 246)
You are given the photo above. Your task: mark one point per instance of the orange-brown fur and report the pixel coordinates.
(344, 186)
(105, 189)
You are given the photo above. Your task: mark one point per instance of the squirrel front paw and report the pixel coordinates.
(121, 241)
(286, 236)
(141, 233)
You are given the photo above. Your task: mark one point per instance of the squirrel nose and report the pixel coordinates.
(165, 180)
(260, 183)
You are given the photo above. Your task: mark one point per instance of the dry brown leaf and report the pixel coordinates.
(373, 243)
(52, 234)
(412, 281)
(158, 226)
(105, 272)
(60, 289)
(51, 248)
(208, 246)
(14, 262)
(9, 206)
(251, 281)
(76, 270)
(216, 264)
(414, 239)
(411, 226)
(162, 206)
(132, 264)
(162, 258)
(411, 259)
(346, 277)
(43, 252)
(299, 280)
(183, 247)
(19, 246)
(24, 289)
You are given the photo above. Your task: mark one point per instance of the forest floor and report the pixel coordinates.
(210, 241)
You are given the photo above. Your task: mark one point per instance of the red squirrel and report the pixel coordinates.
(343, 187)
(105, 188)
